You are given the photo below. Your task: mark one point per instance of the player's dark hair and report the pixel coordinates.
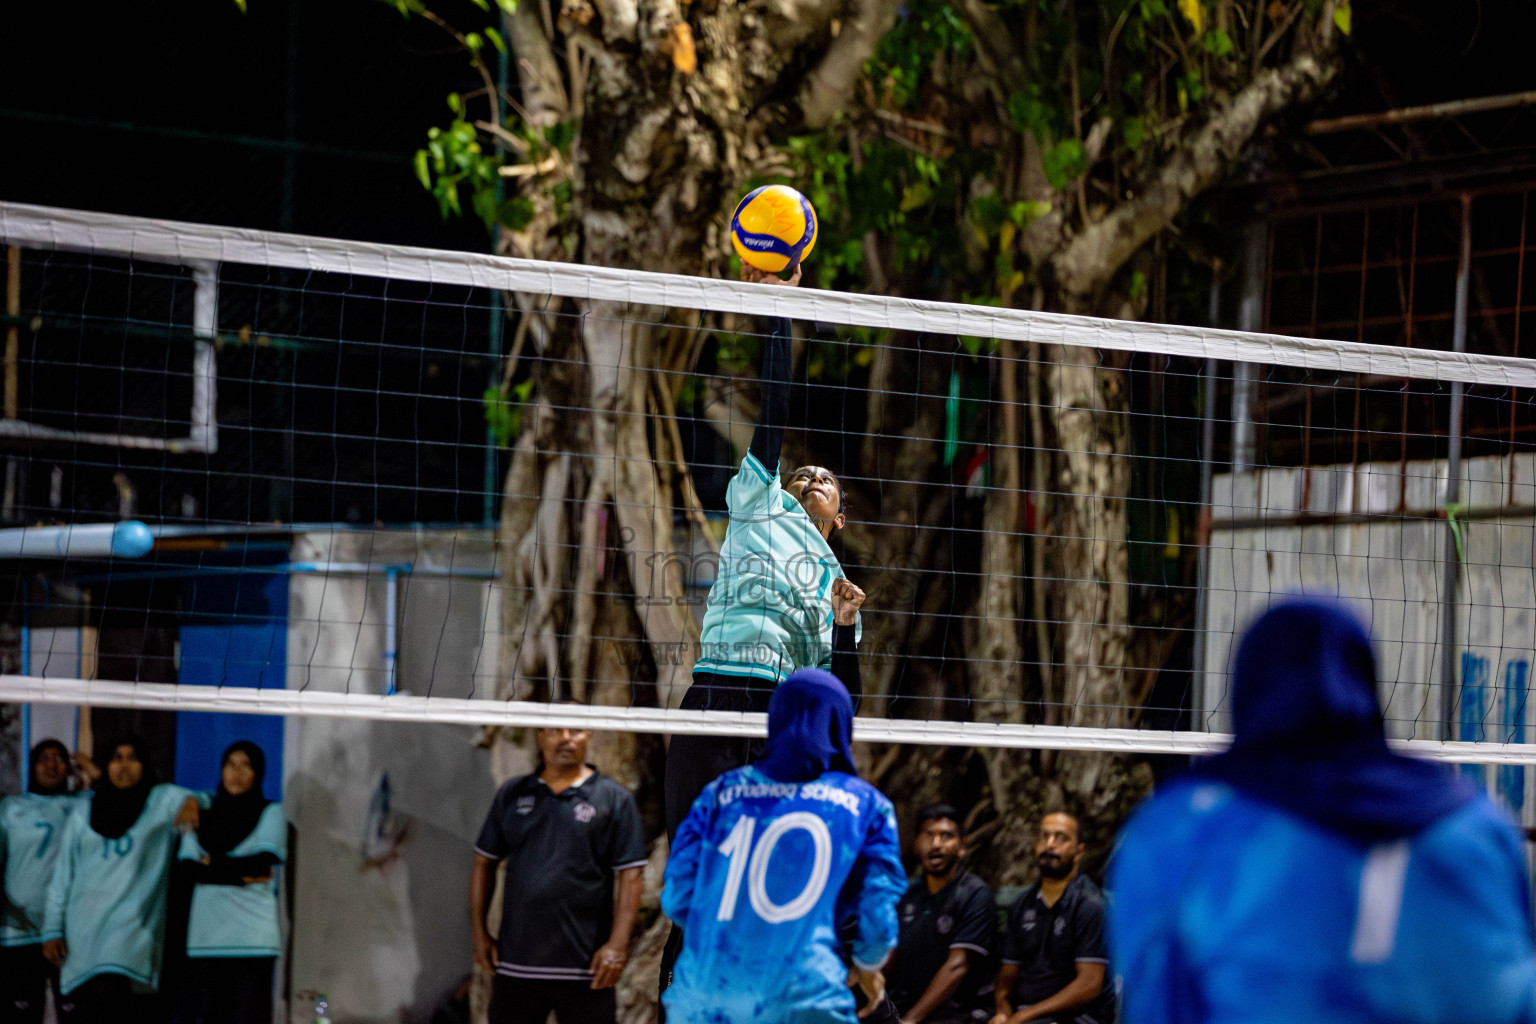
(935, 812)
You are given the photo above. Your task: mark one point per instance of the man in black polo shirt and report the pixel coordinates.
(569, 835)
(948, 928)
(1055, 962)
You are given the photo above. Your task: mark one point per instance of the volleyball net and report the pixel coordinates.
(387, 482)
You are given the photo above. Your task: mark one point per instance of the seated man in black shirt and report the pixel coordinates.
(1055, 962)
(948, 928)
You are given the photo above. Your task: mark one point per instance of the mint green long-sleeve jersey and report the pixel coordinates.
(107, 898)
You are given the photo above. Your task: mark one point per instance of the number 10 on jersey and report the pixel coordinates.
(753, 863)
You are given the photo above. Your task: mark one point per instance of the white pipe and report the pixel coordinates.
(204, 433)
(391, 597)
(129, 539)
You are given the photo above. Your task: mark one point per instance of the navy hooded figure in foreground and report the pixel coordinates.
(772, 858)
(1310, 873)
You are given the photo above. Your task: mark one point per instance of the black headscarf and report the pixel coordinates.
(1308, 734)
(230, 818)
(33, 786)
(113, 810)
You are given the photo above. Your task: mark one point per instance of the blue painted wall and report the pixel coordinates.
(234, 633)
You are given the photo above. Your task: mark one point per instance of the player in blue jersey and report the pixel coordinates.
(770, 860)
(105, 911)
(29, 825)
(232, 860)
(1310, 873)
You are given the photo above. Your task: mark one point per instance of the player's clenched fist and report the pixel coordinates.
(846, 601)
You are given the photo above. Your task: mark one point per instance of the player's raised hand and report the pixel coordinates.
(847, 599)
(752, 275)
(872, 984)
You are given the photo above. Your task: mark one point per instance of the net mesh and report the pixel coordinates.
(395, 483)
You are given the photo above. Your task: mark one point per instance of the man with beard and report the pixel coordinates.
(948, 928)
(1055, 962)
(574, 851)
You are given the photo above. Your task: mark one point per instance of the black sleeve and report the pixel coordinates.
(773, 412)
(626, 838)
(977, 930)
(492, 842)
(1088, 925)
(845, 660)
(221, 870)
(1013, 948)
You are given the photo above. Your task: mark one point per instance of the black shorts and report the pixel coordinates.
(24, 977)
(525, 1001)
(693, 762)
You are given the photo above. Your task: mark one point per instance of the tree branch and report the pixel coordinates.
(1087, 263)
(537, 70)
(830, 84)
(994, 47)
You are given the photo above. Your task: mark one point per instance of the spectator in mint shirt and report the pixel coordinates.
(232, 934)
(29, 829)
(105, 912)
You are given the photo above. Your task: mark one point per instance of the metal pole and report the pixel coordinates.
(1203, 538)
(1250, 317)
(491, 485)
(1449, 688)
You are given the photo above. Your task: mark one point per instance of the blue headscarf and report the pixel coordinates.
(810, 724)
(1308, 734)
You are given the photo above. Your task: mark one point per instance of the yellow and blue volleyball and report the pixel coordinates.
(773, 228)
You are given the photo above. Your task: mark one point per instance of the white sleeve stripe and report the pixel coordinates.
(631, 864)
(1012, 963)
(487, 856)
(1090, 960)
(983, 950)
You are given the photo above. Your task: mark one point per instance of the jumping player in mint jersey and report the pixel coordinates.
(30, 824)
(770, 861)
(105, 912)
(780, 601)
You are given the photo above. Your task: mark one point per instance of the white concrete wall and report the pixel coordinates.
(1392, 573)
(379, 920)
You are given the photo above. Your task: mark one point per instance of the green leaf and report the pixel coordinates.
(1343, 17)
(1028, 112)
(496, 40)
(515, 214)
(1135, 129)
(1219, 44)
(482, 4)
(423, 174)
(1138, 285)
(916, 195)
(241, 4)
(508, 6)
(456, 104)
(474, 41)
(1064, 163)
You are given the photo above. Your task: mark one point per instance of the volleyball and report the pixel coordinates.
(774, 227)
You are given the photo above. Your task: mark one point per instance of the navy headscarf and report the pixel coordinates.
(810, 726)
(1308, 734)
